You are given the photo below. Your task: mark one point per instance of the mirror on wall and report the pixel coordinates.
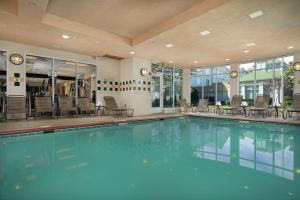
(65, 78)
(38, 79)
(3, 88)
(86, 80)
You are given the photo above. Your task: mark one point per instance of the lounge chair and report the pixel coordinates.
(43, 105)
(295, 107)
(85, 106)
(261, 105)
(235, 104)
(16, 107)
(203, 105)
(66, 105)
(185, 105)
(112, 106)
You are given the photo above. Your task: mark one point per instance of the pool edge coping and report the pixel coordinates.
(62, 127)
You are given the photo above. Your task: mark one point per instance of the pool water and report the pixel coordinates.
(182, 158)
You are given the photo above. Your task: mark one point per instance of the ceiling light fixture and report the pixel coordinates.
(196, 61)
(171, 61)
(250, 44)
(65, 37)
(169, 45)
(290, 47)
(132, 52)
(246, 51)
(227, 59)
(203, 33)
(256, 14)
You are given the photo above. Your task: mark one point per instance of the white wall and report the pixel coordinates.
(108, 69)
(234, 82)
(139, 100)
(186, 85)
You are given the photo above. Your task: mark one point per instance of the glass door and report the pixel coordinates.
(3, 63)
(156, 93)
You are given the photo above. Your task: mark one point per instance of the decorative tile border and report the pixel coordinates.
(123, 86)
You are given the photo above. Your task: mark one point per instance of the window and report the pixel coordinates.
(271, 77)
(177, 86)
(210, 83)
(168, 87)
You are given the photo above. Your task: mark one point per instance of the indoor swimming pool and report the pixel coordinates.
(183, 158)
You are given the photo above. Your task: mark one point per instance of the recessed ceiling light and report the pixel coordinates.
(290, 47)
(196, 61)
(171, 61)
(227, 59)
(250, 44)
(246, 51)
(169, 45)
(65, 36)
(132, 52)
(206, 32)
(256, 14)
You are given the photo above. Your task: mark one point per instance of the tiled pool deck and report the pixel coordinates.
(31, 125)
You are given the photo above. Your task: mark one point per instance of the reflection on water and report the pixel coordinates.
(137, 153)
(259, 149)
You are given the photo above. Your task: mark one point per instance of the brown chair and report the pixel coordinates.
(185, 105)
(16, 107)
(43, 105)
(203, 105)
(235, 104)
(85, 106)
(295, 106)
(112, 106)
(261, 105)
(66, 105)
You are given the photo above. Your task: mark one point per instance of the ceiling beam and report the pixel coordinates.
(98, 34)
(181, 18)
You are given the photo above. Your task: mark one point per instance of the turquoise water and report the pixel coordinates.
(174, 159)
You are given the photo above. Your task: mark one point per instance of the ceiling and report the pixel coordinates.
(116, 27)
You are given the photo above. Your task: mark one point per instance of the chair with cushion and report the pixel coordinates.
(203, 105)
(43, 104)
(66, 105)
(16, 107)
(295, 106)
(185, 105)
(235, 104)
(112, 107)
(261, 105)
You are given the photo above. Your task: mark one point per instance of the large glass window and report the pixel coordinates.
(273, 77)
(196, 85)
(210, 83)
(168, 87)
(246, 80)
(3, 64)
(155, 85)
(177, 86)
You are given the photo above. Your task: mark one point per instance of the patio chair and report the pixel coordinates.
(295, 106)
(66, 105)
(185, 105)
(112, 106)
(16, 107)
(235, 104)
(261, 105)
(43, 105)
(203, 105)
(85, 106)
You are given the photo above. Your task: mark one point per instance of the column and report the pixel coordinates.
(234, 82)
(186, 85)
